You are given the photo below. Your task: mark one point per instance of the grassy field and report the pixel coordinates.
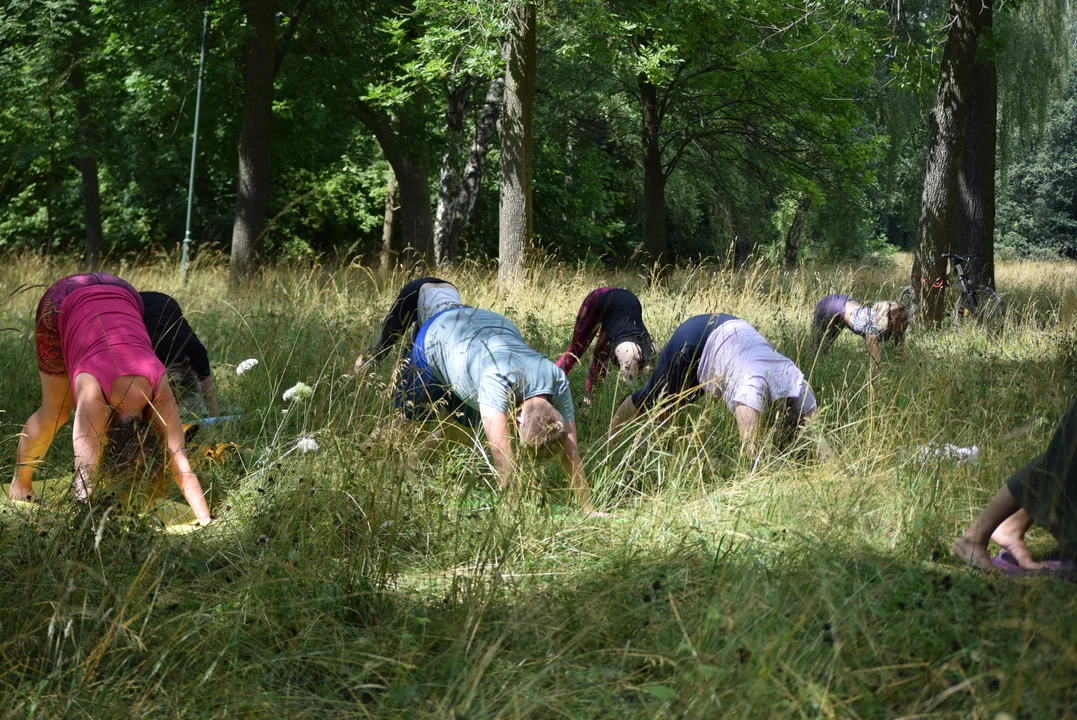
(378, 581)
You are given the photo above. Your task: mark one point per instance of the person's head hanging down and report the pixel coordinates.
(176, 345)
(885, 321)
(473, 367)
(616, 316)
(727, 357)
(417, 302)
(94, 357)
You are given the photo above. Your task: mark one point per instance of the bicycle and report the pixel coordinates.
(978, 303)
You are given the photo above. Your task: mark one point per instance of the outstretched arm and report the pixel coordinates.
(496, 425)
(873, 347)
(167, 422)
(210, 392)
(587, 321)
(625, 412)
(573, 467)
(91, 422)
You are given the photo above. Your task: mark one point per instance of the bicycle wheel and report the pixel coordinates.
(982, 305)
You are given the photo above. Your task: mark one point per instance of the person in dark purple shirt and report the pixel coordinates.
(616, 316)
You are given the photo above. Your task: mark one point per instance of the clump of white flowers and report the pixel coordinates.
(299, 391)
(960, 455)
(246, 365)
(306, 445)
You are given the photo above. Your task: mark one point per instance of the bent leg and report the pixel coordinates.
(57, 403)
(973, 546)
(587, 322)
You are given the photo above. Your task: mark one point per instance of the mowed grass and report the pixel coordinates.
(374, 580)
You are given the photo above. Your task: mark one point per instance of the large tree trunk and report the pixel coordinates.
(515, 214)
(654, 178)
(413, 186)
(456, 195)
(252, 185)
(940, 180)
(388, 250)
(796, 231)
(87, 165)
(974, 232)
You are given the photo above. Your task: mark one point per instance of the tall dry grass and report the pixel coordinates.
(383, 580)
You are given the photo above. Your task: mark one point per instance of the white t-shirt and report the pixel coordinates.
(485, 360)
(740, 366)
(435, 297)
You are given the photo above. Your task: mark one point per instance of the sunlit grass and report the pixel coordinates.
(380, 579)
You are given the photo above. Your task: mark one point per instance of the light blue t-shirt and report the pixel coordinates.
(485, 360)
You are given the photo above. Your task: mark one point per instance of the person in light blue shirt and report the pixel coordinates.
(473, 366)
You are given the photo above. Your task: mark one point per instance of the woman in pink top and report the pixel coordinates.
(94, 357)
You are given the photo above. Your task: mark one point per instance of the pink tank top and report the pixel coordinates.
(102, 333)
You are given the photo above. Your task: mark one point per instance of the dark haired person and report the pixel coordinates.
(727, 357)
(94, 357)
(473, 367)
(616, 315)
(417, 302)
(177, 346)
(1043, 491)
(884, 321)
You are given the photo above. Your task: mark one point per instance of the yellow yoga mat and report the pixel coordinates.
(177, 517)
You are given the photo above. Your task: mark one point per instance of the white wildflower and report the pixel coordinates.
(299, 391)
(306, 444)
(960, 455)
(246, 365)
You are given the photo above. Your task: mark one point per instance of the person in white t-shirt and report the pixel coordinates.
(472, 367)
(727, 357)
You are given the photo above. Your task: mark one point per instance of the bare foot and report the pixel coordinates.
(19, 492)
(1010, 536)
(973, 553)
(362, 365)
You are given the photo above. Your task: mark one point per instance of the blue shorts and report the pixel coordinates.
(419, 393)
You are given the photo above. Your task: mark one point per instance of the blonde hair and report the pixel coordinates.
(888, 313)
(540, 423)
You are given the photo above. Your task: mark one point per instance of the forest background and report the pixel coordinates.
(656, 132)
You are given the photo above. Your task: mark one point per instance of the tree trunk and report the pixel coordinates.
(388, 251)
(456, 196)
(413, 187)
(50, 180)
(252, 185)
(796, 231)
(654, 178)
(940, 179)
(975, 213)
(515, 213)
(416, 221)
(87, 165)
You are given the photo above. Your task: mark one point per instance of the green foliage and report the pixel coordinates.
(1037, 210)
(760, 100)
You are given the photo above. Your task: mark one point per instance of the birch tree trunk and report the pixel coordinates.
(457, 194)
(796, 231)
(388, 250)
